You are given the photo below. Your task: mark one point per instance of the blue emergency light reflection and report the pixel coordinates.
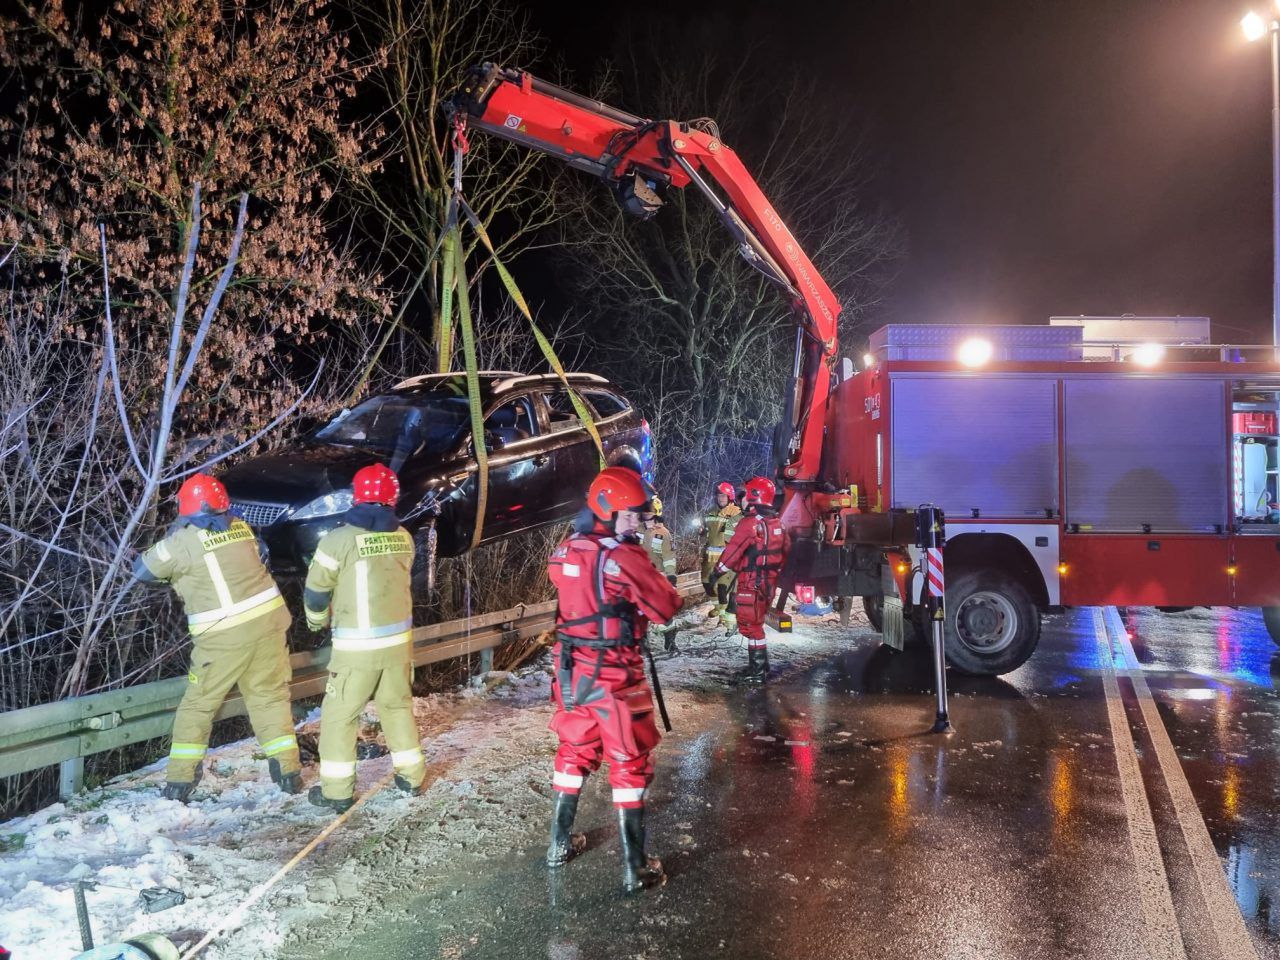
(1245, 648)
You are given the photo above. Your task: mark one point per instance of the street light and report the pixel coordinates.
(1255, 27)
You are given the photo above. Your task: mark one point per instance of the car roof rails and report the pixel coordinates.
(424, 379)
(530, 379)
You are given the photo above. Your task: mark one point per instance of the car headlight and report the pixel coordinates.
(340, 501)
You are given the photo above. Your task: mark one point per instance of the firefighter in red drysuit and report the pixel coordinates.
(756, 553)
(609, 591)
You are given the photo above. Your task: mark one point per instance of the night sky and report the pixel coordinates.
(1046, 158)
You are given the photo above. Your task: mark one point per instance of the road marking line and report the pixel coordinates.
(1234, 942)
(1163, 937)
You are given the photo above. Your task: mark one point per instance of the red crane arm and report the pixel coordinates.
(640, 159)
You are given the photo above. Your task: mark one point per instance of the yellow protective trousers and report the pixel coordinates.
(254, 658)
(345, 696)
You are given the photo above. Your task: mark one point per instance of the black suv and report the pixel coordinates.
(541, 460)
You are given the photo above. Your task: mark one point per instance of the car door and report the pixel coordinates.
(521, 473)
(574, 454)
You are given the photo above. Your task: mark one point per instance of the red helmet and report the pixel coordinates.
(617, 488)
(728, 489)
(376, 484)
(201, 493)
(761, 490)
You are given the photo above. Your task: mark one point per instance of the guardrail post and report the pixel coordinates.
(486, 660)
(70, 777)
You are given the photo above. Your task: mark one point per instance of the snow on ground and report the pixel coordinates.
(489, 755)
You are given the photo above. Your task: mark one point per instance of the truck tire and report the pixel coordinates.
(874, 608)
(992, 626)
(1271, 617)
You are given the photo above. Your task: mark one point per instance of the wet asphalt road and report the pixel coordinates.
(818, 818)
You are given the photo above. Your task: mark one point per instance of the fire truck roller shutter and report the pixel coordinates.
(1145, 454)
(985, 443)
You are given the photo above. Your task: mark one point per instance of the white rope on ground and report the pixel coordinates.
(237, 916)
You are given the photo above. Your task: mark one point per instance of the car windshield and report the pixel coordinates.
(404, 424)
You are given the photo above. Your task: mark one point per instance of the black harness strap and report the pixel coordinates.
(657, 689)
(623, 612)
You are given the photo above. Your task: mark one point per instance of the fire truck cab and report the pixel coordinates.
(1072, 472)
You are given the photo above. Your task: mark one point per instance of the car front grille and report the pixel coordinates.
(258, 514)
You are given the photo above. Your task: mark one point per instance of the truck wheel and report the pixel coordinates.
(874, 608)
(992, 625)
(1271, 617)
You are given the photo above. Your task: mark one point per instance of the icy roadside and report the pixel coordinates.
(488, 749)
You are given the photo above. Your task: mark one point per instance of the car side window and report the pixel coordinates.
(563, 414)
(511, 422)
(606, 404)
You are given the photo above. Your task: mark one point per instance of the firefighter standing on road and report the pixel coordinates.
(718, 526)
(756, 553)
(361, 572)
(608, 591)
(238, 622)
(656, 540)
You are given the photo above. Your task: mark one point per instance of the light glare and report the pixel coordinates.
(974, 352)
(1148, 354)
(1254, 27)
(868, 360)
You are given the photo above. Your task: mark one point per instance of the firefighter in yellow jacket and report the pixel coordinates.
(657, 542)
(360, 572)
(717, 528)
(238, 622)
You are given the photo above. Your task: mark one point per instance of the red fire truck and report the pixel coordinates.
(1147, 477)
(1144, 476)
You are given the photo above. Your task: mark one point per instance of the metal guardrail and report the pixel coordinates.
(67, 731)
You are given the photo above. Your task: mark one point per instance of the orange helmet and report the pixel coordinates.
(376, 484)
(761, 490)
(201, 493)
(617, 488)
(728, 489)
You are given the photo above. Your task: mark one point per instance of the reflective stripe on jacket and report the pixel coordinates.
(656, 541)
(220, 577)
(367, 574)
(718, 526)
(607, 589)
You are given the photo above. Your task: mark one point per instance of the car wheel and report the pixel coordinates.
(992, 626)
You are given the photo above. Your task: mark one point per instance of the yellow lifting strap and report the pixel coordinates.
(454, 281)
(455, 268)
(543, 343)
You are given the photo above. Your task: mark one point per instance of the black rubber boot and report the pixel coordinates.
(287, 782)
(669, 641)
(317, 798)
(757, 666)
(182, 790)
(637, 872)
(561, 849)
(404, 786)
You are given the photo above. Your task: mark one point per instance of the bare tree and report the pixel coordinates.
(423, 51)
